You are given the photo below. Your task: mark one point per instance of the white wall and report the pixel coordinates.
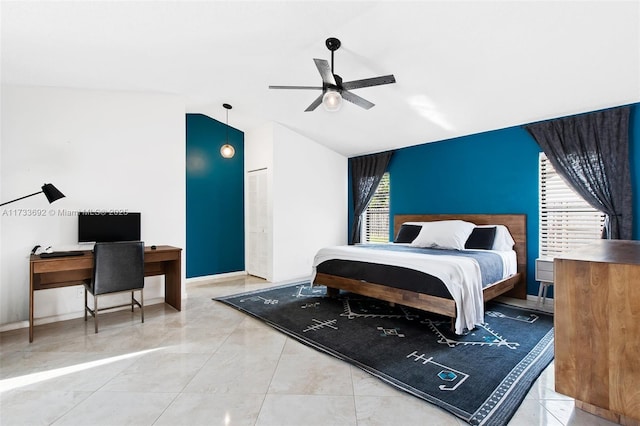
(103, 150)
(308, 193)
(309, 202)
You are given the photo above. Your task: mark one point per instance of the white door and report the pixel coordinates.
(258, 227)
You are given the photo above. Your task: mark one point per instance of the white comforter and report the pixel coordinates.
(461, 275)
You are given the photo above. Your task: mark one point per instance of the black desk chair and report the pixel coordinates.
(117, 267)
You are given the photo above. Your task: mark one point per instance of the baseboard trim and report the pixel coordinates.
(294, 280)
(534, 298)
(215, 277)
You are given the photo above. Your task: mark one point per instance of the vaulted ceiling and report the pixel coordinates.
(461, 67)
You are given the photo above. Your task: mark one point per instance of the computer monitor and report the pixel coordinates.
(98, 227)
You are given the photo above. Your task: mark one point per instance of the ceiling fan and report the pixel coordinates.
(334, 89)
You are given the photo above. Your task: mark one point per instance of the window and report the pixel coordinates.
(375, 219)
(567, 221)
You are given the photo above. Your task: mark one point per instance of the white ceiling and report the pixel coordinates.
(461, 67)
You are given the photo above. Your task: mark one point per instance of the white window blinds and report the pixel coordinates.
(566, 220)
(375, 219)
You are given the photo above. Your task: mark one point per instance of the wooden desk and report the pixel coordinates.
(597, 326)
(55, 272)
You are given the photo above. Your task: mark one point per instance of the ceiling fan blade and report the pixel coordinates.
(368, 82)
(355, 99)
(314, 104)
(296, 87)
(325, 71)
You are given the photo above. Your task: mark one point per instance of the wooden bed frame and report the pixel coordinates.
(514, 286)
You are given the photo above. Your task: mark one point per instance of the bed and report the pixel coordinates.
(361, 277)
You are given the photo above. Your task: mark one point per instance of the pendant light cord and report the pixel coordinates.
(227, 107)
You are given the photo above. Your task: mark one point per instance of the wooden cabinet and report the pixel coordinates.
(597, 326)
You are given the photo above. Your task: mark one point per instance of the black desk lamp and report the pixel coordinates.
(50, 191)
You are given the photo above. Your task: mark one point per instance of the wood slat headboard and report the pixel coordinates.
(515, 223)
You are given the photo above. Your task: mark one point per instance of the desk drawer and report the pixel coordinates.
(161, 255)
(59, 264)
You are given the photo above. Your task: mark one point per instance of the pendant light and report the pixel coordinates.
(227, 150)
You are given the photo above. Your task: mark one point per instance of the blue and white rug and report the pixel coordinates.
(481, 377)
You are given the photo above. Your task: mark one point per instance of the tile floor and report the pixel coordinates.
(210, 365)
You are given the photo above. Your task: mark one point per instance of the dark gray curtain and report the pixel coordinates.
(591, 152)
(366, 172)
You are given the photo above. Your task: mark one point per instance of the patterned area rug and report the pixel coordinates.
(481, 377)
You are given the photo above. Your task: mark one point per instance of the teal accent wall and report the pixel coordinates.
(215, 198)
(491, 172)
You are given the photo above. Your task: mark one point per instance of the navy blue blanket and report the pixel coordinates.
(491, 267)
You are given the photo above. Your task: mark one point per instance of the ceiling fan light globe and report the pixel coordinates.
(332, 101)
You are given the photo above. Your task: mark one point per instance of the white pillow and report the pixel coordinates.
(503, 240)
(448, 234)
